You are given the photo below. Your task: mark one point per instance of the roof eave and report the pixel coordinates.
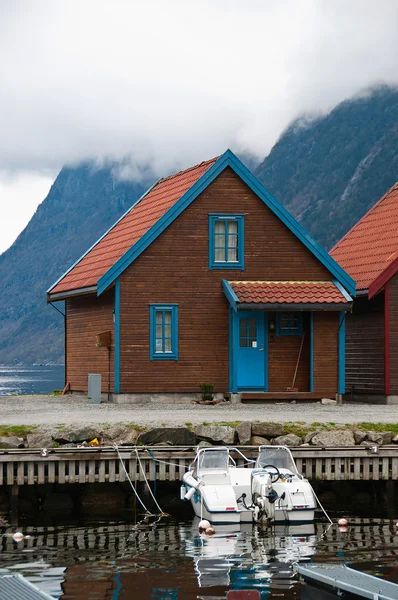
(70, 293)
(297, 307)
(383, 278)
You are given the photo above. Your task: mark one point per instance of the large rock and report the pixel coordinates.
(244, 431)
(80, 434)
(268, 430)
(11, 442)
(359, 436)
(290, 439)
(395, 439)
(380, 437)
(328, 401)
(308, 438)
(120, 435)
(336, 437)
(256, 440)
(176, 436)
(39, 440)
(217, 434)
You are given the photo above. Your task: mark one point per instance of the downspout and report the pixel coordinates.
(341, 347)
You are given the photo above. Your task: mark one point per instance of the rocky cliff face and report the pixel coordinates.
(330, 171)
(82, 204)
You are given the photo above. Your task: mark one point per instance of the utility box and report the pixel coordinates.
(94, 389)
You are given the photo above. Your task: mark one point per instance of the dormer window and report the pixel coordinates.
(226, 242)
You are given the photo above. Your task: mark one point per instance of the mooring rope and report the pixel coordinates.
(321, 507)
(148, 486)
(130, 482)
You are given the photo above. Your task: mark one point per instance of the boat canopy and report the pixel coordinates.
(277, 456)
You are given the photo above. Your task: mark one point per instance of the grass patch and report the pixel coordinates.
(378, 427)
(136, 426)
(228, 423)
(17, 430)
(189, 425)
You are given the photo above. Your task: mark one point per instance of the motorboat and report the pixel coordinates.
(267, 490)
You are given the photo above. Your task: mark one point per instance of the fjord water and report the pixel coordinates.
(35, 379)
(168, 560)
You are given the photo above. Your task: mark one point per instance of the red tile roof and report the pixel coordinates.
(372, 244)
(126, 232)
(288, 292)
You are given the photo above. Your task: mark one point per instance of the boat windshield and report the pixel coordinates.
(278, 457)
(213, 459)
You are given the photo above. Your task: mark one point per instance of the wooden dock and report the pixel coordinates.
(103, 465)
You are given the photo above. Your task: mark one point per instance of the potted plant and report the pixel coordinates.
(207, 391)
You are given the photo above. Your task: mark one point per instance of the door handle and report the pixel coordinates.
(261, 349)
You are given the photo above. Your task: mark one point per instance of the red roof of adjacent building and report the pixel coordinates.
(371, 246)
(129, 229)
(288, 292)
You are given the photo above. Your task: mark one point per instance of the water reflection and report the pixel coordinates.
(169, 560)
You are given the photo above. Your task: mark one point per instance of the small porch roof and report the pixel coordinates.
(286, 295)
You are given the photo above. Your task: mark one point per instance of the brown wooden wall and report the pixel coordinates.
(365, 346)
(86, 317)
(393, 332)
(283, 352)
(174, 269)
(326, 327)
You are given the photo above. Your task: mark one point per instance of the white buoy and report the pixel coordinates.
(18, 536)
(342, 522)
(204, 524)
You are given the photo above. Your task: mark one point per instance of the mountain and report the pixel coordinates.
(328, 172)
(82, 204)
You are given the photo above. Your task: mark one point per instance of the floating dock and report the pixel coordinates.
(342, 579)
(16, 587)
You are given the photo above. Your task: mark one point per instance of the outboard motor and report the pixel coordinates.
(263, 496)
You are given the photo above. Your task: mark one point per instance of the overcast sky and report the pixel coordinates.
(171, 82)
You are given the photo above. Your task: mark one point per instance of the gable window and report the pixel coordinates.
(226, 242)
(164, 332)
(289, 323)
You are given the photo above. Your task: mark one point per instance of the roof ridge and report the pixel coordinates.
(201, 164)
(392, 188)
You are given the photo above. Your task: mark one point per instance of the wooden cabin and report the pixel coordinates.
(369, 253)
(207, 278)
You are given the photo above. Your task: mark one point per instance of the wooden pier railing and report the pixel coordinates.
(99, 465)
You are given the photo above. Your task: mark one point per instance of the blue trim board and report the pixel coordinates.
(342, 290)
(311, 351)
(225, 265)
(228, 159)
(102, 236)
(117, 338)
(341, 386)
(153, 310)
(266, 352)
(230, 294)
(233, 350)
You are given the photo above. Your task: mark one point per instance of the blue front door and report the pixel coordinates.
(252, 351)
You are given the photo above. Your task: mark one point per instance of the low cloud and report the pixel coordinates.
(170, 83)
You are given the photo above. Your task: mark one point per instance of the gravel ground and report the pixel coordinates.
(73, 410)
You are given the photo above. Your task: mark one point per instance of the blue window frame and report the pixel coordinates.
(226, 242)
(163, 331)
(289, 323)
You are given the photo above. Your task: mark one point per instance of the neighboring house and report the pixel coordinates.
(207, 278)
(369, 253)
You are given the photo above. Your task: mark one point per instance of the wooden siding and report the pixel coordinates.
(174, 269)
(326, 327)
(365, 346)
(393, 332)
(283, 351)
(86, 318)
